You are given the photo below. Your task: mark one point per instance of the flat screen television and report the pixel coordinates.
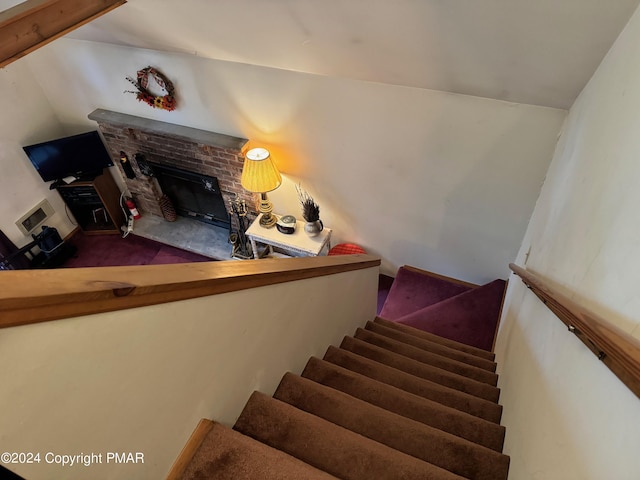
(80, 156)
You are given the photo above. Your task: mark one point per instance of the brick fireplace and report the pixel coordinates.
(189, 149)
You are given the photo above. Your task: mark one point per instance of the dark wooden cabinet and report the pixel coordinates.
(95, 204)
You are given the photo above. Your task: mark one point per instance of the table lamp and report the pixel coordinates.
(260, 175)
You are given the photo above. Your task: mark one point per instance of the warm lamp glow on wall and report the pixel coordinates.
(260, 175)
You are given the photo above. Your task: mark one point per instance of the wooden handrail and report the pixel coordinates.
(32, 296)
(617, 349)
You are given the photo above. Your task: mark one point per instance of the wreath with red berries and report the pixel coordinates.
(164, 102)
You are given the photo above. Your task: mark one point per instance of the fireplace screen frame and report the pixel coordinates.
(193, 206)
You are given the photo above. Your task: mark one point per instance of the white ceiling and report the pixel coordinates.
(539, 52)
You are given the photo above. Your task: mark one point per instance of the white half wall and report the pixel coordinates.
(139, 380)
(26, 117)
(567, 416)
(440, 181)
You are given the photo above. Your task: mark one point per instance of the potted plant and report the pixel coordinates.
(310, 212)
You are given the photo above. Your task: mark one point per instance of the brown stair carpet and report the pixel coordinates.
(392, 402)
(464, 425)
(422, 370)
(436, 339)
(434, 446)
(224, 454)
(434, 359)
(432, 347)
(329, 447)
(405, 381)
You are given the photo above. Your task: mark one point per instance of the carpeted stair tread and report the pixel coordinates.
(470, 317)
(407, 404)
(225, 454)
(327, 446)
(450, 397)
(410, 405)
(462, 457)
(421, 370)
(435, 338)
(432, 347)
(412, 290)
(429, 358)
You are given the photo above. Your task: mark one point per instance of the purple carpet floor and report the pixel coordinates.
(413, 290)
(113, 250)
(448, 309)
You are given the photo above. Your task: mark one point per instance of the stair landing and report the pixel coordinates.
(446, 307)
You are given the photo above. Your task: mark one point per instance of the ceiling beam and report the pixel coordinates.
(34, 23)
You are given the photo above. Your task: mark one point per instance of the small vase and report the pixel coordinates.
(313, 228)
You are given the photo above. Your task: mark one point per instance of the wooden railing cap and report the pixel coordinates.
(31, 296)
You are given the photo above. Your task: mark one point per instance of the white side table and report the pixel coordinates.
(298, 243)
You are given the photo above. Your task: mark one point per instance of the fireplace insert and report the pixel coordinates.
(194, 195)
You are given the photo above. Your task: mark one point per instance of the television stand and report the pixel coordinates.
(95, 204)
(88, 177)
(56, 184)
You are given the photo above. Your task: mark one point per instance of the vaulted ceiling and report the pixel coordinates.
(539, 52)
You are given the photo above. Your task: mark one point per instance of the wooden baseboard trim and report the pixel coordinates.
(71, 233)
(441, 277)
(190, 449)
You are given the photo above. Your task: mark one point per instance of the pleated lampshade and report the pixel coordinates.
(259, 173)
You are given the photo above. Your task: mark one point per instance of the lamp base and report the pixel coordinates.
(268, 220)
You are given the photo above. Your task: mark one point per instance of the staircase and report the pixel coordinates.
(392, 402)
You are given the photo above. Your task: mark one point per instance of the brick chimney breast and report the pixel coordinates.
(199, 151)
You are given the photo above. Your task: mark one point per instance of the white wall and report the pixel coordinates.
(567, 416)
(440, 181)
(139, 380)
(27, 117)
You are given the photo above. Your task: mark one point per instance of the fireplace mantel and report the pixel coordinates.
(169, 129)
